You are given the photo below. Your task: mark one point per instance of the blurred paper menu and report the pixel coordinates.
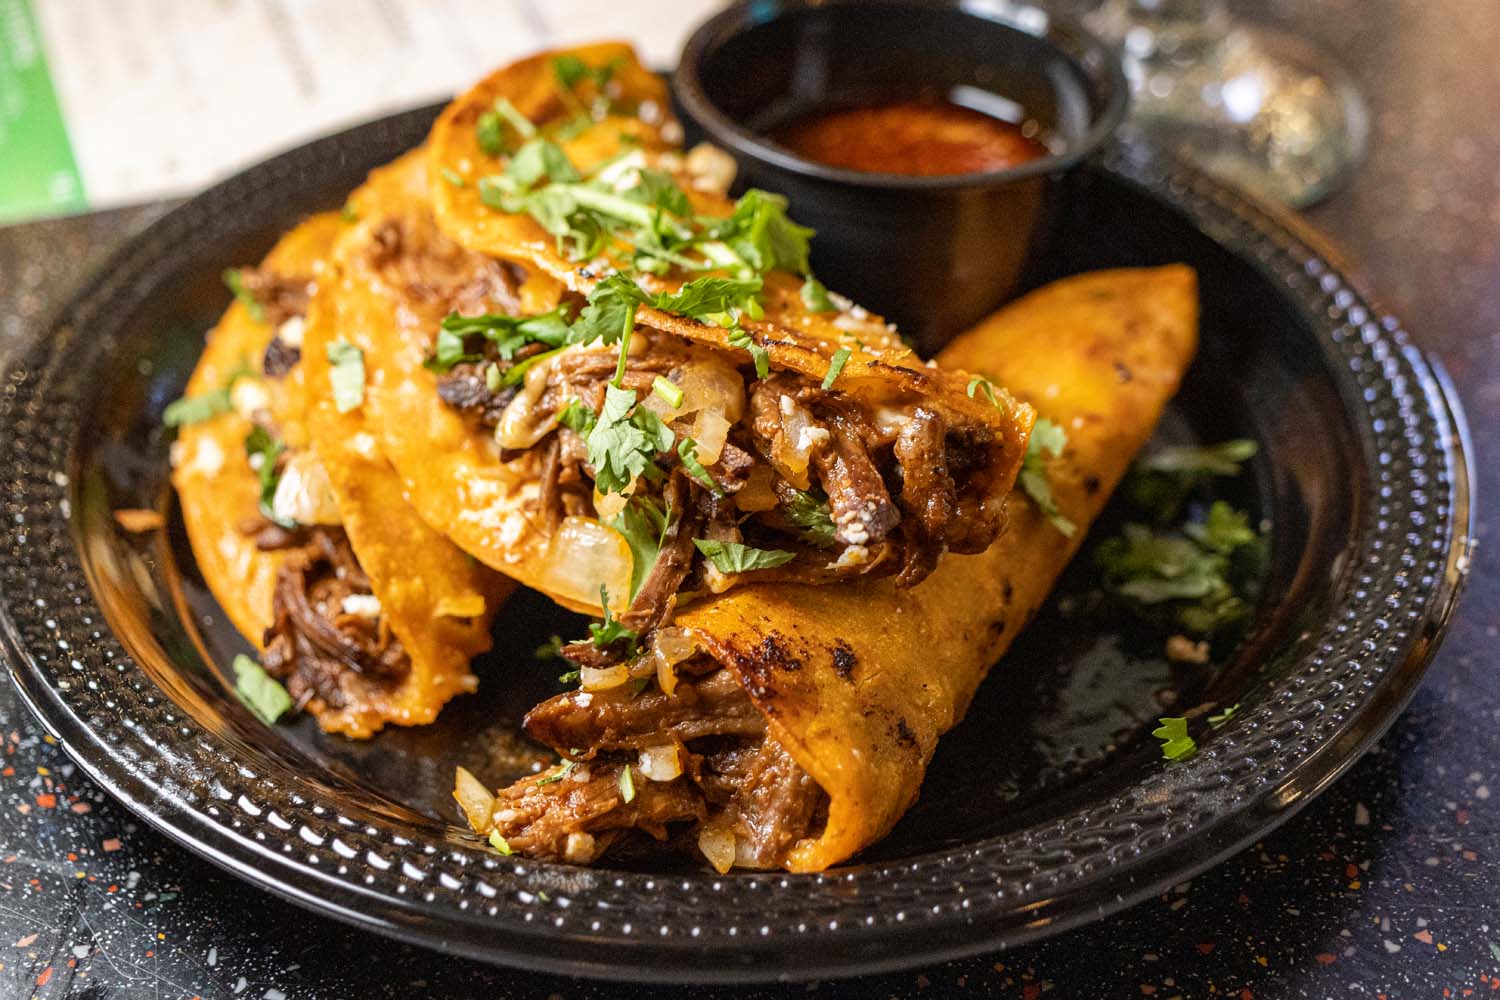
(105, 102)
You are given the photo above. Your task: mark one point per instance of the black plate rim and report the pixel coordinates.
(880, 950)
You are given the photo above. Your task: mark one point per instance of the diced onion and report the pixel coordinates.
(603, 678)
(710, 430)
(669, 647)
(661, 763)
(718, 845)
(523, 423)
(475, 800)
(582, 555)
(792, 449)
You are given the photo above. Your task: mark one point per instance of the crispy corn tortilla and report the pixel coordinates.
(880, 369)
(218, 491)
(433, 597)
(859, 682)
(437, 600)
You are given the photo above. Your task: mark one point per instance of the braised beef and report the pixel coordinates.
(319, 649)
(619, 719)
(280, 296)
(464, 388)
(280, 358)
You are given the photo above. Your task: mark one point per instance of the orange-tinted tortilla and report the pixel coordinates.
(216, 487)
(437, 600)
(433, 597)
(880, 369)
(858, 682)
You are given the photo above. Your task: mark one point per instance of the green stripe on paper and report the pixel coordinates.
(38, 174)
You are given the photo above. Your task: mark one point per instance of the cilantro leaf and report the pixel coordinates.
(643, 525)
(236, 282)
(712, 298)
(609, 315)
(551, 649)
(538, 160)
(835, 366)
(1175, 741)
(197, 409)
(623, 444)
(687, 450)
(577, 418)
(1047, 439)
(809, 514)
(260, 692)
(981, 384)
(815, 296)
(762, 358)
(610, 631)
(762, 234)
(260, 442)
(1222, 459)
(347, 375)
(1219, 718)
(732, 557)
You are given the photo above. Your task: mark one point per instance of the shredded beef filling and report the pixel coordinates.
(734, 774)
(318, 648)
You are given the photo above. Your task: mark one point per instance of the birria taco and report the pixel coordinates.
(790, 725)
(605, 379)
(297, 521)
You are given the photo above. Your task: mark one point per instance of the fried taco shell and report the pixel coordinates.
(366, 614)
(790, 725)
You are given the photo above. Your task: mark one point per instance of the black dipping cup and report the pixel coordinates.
(933, 254)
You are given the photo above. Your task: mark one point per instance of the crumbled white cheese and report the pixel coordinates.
(811, 437)
(710, 168)
(363, 445)
(580, 848)
(248, 396)
(853, 555)
(290, 333)
(304, 494)
(366, 606)
(583, 700)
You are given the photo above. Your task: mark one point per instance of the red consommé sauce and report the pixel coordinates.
(914, 138)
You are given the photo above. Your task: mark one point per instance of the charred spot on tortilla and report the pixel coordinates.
(844, 660)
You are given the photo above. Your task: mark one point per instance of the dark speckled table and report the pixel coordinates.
(1386, 886)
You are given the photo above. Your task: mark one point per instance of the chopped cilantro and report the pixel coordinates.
(577, 418)
(260, 692)
(643, 524)
(610, 631)
(732, 557)
(687, 450)
(625, 441)
(571, 677)
(809, 514)
(560, 772)
(197, 409)
(538, 160)
(761, 357)
(815, 296)
(1218, 719)
(551, 649)
(347, 375)
(1222, 459)
(761, 233)
(236, 283)
(1198, 579)
(260, 442)
(627, 785)
(1175, 741)
(835, 366)
(499, 843)
(493, 381)
(981, 384)
(1047, 439)
(452, 178)
(523, 126)
(349, 214)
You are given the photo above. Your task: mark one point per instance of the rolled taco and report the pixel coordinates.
(623, 428)
(787, 725)
(297, 523)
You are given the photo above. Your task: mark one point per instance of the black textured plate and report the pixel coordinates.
(1049, 806)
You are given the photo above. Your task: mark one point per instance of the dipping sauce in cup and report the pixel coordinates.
(915, 138)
